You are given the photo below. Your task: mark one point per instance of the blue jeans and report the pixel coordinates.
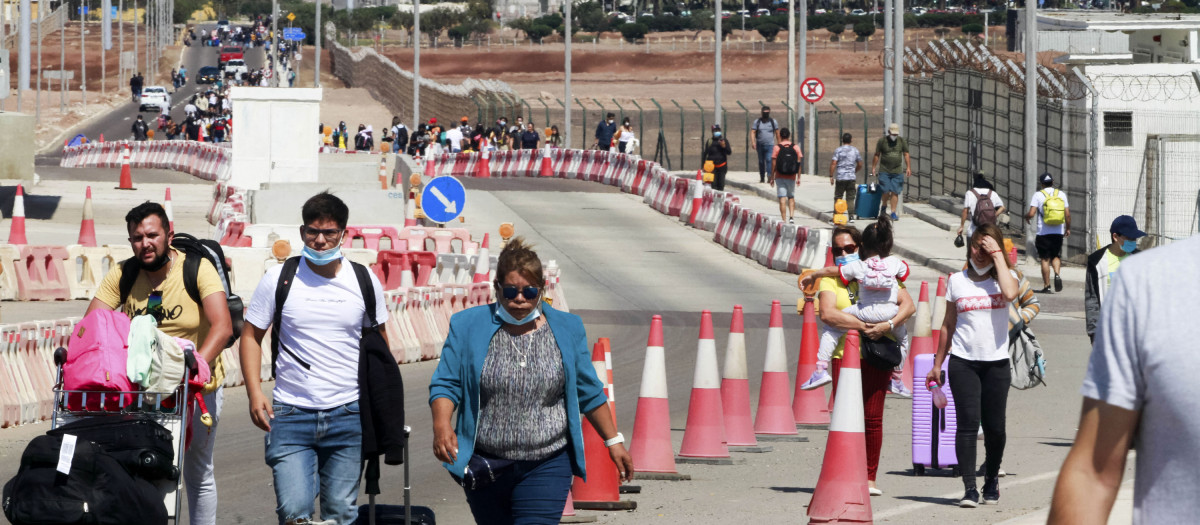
(527, 493)
(316, 452)
(764, 160)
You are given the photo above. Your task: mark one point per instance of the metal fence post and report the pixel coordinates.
(547, 111)
(603, 112)
(529, 110)
(584, 111)
(620, 108)
(791, 114)
(661, 140)
(841, 129)
(866, 143)
(747, 113)
(816, 131)
(641, 126)
(702, 122)
(681, 163)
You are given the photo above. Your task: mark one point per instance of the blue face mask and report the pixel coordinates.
(502, 313)
(324, 257)
(846, 259)
(717, 134)
(1129, 246)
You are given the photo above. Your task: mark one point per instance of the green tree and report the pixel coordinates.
(864, 30)
(768, 31)
(459, 33)
(972, 29)
(438, 20)
(632, 32)
(836, 28)
(538, 31)
(590, 17)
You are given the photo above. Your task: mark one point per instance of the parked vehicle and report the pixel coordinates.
(230, 53)
(858, 12)
(762, 12)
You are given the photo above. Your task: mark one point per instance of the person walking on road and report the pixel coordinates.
(975, 336)
(139, 129)
(200, 315)
(1053, 213)
(315, 431)
(626, 137)
(519, 374)
(891, 154)
(766, 134)
(135, 86)
(718, 151)
(785, 161)
(1102, 266)
(835, 295)
(605, 131)
(981, 205)
(1139, 389)
(843, 172)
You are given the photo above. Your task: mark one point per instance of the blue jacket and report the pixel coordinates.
(457, 376)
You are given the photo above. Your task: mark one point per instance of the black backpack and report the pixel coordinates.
(139, 444)
(787, 162)
(96, 490)
(195, 250)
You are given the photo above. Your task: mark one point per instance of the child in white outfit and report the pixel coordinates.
(879, 278)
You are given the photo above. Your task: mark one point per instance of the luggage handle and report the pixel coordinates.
(407, 488)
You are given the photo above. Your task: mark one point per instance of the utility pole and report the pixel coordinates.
(416, 89)
(106, 36)
(567, 70)
(317, 56)
(135, 37)
(274, 42)
(791, 63)
(810, 133)
(83, 53)
(1031, 129)
(37, 112)
(23, 50)
(719, 41)
(888, 50)
(898, 63)
(121, 44)
(62, 61)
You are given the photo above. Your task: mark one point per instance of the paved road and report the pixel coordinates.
(622, 263)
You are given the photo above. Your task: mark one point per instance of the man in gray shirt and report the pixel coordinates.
(1139, 389)
(766, 132)
(843, 172)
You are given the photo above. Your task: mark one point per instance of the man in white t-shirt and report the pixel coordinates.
(314, 434)
(454, 137)
(980, 189)
(1051, 229)
(1139, 389)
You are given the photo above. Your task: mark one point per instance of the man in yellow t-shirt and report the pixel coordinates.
(207, 325)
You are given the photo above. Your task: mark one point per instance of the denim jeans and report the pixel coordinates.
(764, 160)
(527, 493)
(198, 463)
(315, 453)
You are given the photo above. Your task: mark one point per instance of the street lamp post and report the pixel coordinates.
(567, 70)
(416, 89)
(718, 44)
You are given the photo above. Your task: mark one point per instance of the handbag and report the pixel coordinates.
(883, 353)
(958, 241)
(482, 471)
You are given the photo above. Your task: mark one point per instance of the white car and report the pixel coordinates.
(858, 12)
(155, 97)
(235, 66)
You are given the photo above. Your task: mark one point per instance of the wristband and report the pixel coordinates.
(994, 252)
(620, 438)
(891, 325)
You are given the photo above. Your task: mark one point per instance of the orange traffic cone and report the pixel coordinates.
(87, 227)
(608, 374)
(170, 210)
(650, 444)
(602, 490)
(16, 232)
(410, 209)
(938, 309)
(704, 435)
(922, 336)
(101, 137)
(547, 170)
(383, 177)
(774, 420)
(430, 171)
(126, 175)
(841, 494)
(808, 406)
(735, 388)
(482, 262)
(483, 168)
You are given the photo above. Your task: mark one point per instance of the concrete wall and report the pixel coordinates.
(281, 204)
(276, 139)
(392, 86)
(16, 143)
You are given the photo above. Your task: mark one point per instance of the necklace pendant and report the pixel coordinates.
(522, 363)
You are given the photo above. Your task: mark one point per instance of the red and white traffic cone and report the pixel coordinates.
(774, 416)
(383, 176)
(87, 227)
(170, 210)
(410, 209)
(430, 169)
(482, 262)
(602, 490)
(735, 386)
(841, 494)
(650, 444)
(483, 168)
(808, 406)
(697, 197)
(922, 335)
(547, 170)
(704, 435)
(126, 174)
(16, 232)
(101, 137)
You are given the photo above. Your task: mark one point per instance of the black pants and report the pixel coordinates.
(718, 182)
(980, 391)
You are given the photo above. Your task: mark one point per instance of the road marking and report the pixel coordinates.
(913, 507)
(127, 118)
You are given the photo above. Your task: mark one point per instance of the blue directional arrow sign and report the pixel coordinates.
(443, 199)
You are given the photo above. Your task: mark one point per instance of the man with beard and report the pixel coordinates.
(205, 323)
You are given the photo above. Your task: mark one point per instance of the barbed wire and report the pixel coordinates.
(1146, 88)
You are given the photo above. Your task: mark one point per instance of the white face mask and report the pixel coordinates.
(981, 269)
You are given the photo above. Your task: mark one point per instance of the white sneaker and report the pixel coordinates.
(899, 389)
(819, 379)
(874, 491)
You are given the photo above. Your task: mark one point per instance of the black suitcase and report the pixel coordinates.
(143, 446)
(372, 514)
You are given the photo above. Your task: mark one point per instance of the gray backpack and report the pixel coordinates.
(1027, 362)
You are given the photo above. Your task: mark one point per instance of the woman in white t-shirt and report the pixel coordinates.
(625, 137)
(975, 335)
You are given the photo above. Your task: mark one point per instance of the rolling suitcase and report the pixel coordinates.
(406, 514)
(932, 429)
(866, 202)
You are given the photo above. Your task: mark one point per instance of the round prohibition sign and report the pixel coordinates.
(812, 90)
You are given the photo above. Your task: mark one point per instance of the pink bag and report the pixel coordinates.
(96, 362)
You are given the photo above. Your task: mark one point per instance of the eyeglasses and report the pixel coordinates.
(511, 292)
(311, 234)
(839, 251)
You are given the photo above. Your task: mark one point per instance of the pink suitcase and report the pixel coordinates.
(932, 429)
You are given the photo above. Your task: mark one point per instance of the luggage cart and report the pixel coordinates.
(72, 405)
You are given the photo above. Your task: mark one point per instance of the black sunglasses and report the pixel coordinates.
(510, 292)
(838, 251)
